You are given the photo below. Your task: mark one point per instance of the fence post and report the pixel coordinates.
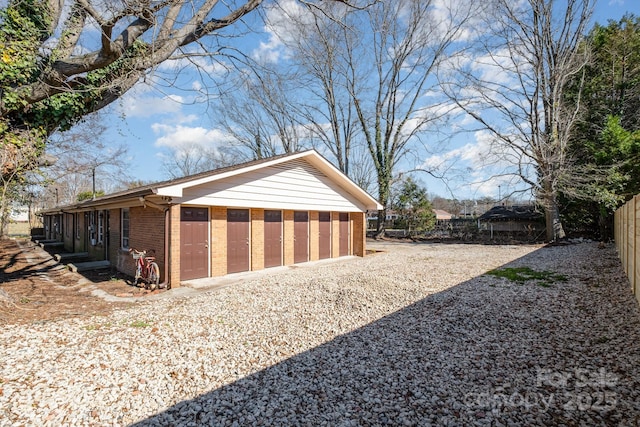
(635, 274)
(631, 240)
(623, 237)
(618, 227)
(626, 230)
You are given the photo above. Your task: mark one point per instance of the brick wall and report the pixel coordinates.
(335, 234)
(218, 237)
(257, 239)
(146, 231)
(314, 242)
(287, 237)
(174, 247)
(218, 241)
(358, 233)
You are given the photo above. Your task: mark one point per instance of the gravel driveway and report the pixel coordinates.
(415, 335)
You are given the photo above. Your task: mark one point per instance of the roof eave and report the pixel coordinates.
(119, 200)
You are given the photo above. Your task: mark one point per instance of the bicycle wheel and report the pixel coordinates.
(137, 276)
(154, 275)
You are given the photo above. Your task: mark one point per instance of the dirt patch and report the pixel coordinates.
(35, 288)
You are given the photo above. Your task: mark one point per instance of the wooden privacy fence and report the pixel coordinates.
(627, 237)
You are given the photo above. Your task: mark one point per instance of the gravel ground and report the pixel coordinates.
(415, 335)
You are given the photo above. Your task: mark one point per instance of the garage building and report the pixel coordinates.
(278, 211)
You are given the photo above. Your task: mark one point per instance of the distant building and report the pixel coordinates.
(442, 215)
(19, 213)
(515, 219)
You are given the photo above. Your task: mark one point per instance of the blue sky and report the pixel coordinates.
(154, 116)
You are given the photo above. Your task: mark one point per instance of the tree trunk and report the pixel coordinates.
(384, 184)
(554, 228)
(605, 220)
(380, 228)
(4, 212)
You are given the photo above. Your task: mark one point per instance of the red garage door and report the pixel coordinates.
(237, 240)
(344, 233)
(324, 235)
(272, 238)
(300, 237)
(194, 252)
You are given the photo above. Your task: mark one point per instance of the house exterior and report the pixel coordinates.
(277, 211)
(443, 218)
(390, 218)
(524, 219)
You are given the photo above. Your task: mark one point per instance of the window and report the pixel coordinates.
(77, 224)
(92, 227)
(124, 228)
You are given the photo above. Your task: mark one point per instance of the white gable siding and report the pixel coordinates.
(292, 185)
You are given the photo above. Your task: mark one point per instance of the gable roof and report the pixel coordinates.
(442, 214)
(175, 187)
(503, 213)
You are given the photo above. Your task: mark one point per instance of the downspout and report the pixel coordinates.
(167, 229)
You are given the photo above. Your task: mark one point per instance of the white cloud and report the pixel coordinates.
(149, 106)
(479, 167)
(282, 25)
(142, 101)
(203, 63)
(179, 137)
(269, 52)
(461, 19)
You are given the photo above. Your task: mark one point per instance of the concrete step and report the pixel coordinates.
(49, 245)
(41, 241)
(86, 266)
(78, 256)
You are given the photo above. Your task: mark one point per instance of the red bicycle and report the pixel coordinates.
(146, 269)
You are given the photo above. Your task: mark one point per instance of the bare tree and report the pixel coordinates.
(57, 69)
(80, 161)
(368, 71)
(75, 162)
(391, 71)
(11, 187)
(190, 159)
(260, 116)
(516, 86)
(319, 56)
